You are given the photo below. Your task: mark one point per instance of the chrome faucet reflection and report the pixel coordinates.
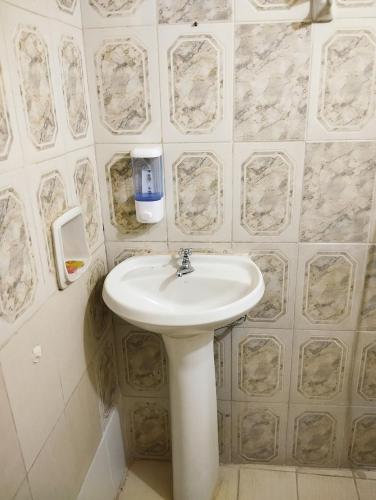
(185, 266)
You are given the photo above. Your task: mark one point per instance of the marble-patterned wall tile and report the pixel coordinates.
(271, 10)
(328, 274)
(10, 149)
(51, 194)
(195, 61)
(278, 263)
(108, 8)
(364, 381)
(196, 85)
(222, 362)
(258, 433)
(321, 367)
(72, 90)
(342, 97)
(366, 385)
(315, 434)
(86, 191)
(123, 86)
(271, 81)
(275, 270)
(337, 192)
(224, 431)
(38, 98)
(66, 5)
(354, 3)
(66, 11)
(35, 6)
(343, 9)
(198, 181)
(329, 286)
(123, 83)
(102, 13)
(52, 202)
(148, 428)
(267, 191)
(84, 185)
(130, 252)
(198, 192)
(265, 175)
(98, 316)
(183, 11)
(117, 197)
(368, 309)
(261, 361)
(106, 380)
(33, 70)
(347, 109)
(18, 278)
(74, 87)
(142, 362)
(361, 451)
(22, 287)
(121, 194)
(117, 251)
(205, 248)
(6, 132)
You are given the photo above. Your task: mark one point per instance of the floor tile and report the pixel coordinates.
(325, 472)
(266, 485)
(148, 480)
(227, 484)
(366, 489)
(281, 468)
(365, 474)
(312, 487)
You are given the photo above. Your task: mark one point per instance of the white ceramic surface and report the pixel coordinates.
(145, 291)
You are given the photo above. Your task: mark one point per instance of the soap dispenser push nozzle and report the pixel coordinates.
(147, 169)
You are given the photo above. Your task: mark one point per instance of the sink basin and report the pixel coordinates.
(146, 292)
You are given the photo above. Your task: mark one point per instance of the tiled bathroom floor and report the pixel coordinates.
(149, 480)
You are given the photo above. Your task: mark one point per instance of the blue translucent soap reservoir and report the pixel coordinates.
(147, 166)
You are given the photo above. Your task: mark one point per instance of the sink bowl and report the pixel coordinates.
(145, 291)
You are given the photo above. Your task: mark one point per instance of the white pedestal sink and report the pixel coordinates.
(146, 292)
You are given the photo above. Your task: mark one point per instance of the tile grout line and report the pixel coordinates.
(238, 488)
(356, 484)
(296, 485)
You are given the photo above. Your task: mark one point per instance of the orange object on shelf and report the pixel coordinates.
(73, 265)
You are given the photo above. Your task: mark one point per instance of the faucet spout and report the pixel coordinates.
(185, 266)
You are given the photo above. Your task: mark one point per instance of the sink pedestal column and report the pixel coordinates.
(193, 404)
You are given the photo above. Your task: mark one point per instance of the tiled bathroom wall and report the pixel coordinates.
(268, 125)
(54, 409)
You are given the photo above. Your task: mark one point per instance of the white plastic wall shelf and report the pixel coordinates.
(70, 245)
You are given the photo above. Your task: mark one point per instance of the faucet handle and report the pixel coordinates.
(185, 252)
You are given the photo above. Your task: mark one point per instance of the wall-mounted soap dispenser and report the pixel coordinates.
(147, 168)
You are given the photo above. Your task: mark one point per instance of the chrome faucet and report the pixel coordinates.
(185, 266)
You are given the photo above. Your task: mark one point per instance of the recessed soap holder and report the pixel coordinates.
(72, 256)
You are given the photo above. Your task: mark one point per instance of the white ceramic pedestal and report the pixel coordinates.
(193, 402)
